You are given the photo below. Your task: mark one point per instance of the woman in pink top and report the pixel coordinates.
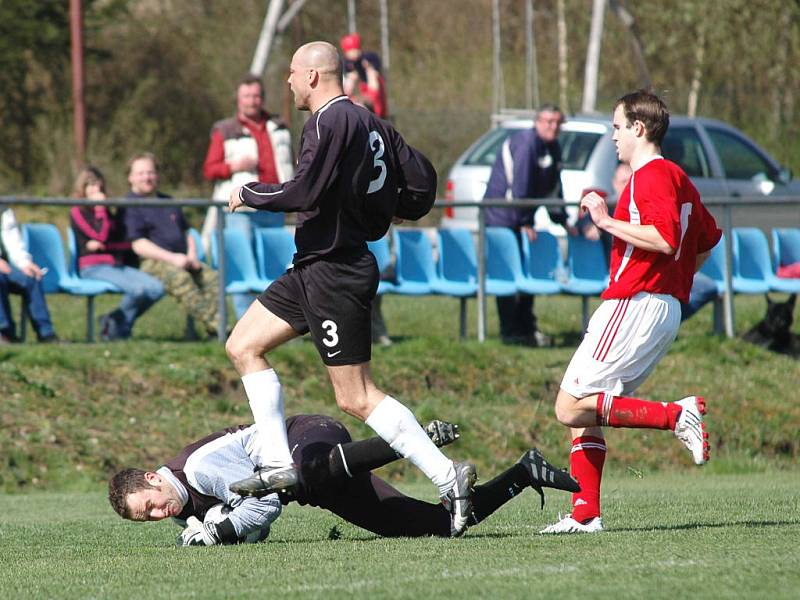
(103, 250)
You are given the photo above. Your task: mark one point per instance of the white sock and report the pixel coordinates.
(397, 426)
(265, 394)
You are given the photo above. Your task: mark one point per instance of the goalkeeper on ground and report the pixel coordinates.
(335, 475)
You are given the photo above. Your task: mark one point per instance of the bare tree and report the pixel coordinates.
(629, 22)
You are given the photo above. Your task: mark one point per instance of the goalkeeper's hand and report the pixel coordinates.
(198, 534)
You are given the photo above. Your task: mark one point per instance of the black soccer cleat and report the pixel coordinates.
(266, 480)
(442, 433)
(543, 474)
(458, 501)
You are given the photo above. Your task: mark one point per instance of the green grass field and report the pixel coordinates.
(75, 413)
(679, 535)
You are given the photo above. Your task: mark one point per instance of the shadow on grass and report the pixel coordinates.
(687, 526)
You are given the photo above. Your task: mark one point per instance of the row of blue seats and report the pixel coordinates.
(512, 264)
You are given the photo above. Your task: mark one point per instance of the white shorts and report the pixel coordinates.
(625, 340)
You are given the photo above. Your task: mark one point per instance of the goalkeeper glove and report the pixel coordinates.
(198, 534)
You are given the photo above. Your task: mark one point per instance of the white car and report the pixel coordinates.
(720, 160)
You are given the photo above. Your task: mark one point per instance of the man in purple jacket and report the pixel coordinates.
(527, 166)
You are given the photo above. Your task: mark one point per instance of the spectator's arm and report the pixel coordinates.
(215, 167)
(700, 259)
(11, 237)
(147, 249)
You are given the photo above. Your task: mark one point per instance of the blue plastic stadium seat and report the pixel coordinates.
(541, 261)
(752, 266)
(383, 256)
(457, 268)
(457, 265)
(241, 273)
(587, 271)
(786, 247)
(275, 250)
(47, 250)
(416, 274)
(714, 266)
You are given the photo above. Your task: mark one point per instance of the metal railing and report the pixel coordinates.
(726, 204)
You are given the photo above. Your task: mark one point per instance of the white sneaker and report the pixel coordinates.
(570, 525)
(690, 428)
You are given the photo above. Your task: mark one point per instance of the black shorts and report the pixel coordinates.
(332, 298)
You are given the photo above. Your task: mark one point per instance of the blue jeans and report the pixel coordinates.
(703, 291)
(33, 300)
(141, 292)
(246, 222)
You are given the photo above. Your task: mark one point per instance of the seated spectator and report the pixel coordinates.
(19, 274)
(362, 76)
(160, 237)
(102, 251)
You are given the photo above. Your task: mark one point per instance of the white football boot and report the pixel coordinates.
(690, 428)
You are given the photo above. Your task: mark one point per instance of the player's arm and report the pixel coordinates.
(251, 514)
(316, 173)
(646, 237)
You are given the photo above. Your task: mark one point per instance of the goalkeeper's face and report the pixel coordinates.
(155, 503)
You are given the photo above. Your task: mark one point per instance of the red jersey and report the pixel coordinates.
(660, 194)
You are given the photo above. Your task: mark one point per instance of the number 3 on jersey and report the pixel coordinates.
(377, 148)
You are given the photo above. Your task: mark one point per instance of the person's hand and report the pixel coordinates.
(193, 265)
(95, 246)
(596, 206)
(32, 270)
(530, 232)
(95, 192)
(4, 267)
(234, 201)
(198, 534)
(591, 232)
(397, 221)
(243, 163)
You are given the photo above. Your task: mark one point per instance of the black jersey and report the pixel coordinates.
(354, 173)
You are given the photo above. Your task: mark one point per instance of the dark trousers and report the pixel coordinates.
(364, 500)
(516, 316)
(33, 300)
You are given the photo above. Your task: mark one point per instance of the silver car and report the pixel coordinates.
(720, 160)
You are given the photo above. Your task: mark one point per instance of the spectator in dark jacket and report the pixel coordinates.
(527, 166)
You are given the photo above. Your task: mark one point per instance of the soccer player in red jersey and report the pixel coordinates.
(662, 234)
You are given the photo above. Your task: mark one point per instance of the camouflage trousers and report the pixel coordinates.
(197, 293)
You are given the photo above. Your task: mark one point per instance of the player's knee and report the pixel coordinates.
(565, 412)
(238, 351)
(353, 406)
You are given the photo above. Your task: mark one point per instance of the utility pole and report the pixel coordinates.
(78, 106)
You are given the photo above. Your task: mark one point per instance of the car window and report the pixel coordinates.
(682, 145)
(488, 146)
(576, 147)
(739, 159)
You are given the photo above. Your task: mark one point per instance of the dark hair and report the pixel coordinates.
(644, 106)
(250, 79)
(121, 485)
(88, 175)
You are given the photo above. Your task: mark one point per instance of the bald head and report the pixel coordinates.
(322, 57)
(315, 75)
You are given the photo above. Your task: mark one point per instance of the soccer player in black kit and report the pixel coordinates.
(355, 174)
(333, 473)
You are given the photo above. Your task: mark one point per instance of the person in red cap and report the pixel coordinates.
(363, 81)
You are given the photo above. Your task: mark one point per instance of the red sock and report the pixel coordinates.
(586, 465)
(619, 411)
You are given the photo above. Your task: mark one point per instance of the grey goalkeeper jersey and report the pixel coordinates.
(206, 468)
